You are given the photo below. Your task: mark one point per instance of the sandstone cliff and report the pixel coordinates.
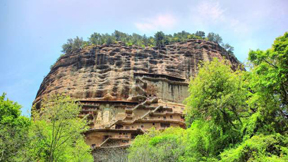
(128, 90)
(108, 72)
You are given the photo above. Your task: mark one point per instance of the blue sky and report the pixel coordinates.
(33, 31)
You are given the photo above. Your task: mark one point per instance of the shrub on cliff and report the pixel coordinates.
(200, 34)
(158, 40)
(214, 37)
(73, 44)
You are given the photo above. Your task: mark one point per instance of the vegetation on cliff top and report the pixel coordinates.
(231, 115)
(160, 39)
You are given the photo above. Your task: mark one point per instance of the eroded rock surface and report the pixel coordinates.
(128, 90)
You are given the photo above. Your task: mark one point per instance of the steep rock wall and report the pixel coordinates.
(128, 90)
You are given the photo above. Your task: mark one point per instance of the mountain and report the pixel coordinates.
(126, 90)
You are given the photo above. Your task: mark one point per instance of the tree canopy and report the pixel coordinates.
(13, 130)
(158, 40)
(57, 132)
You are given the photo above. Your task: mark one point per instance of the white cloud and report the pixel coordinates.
(159, 22)
(237, 26)
(210, 11)
(210, 14)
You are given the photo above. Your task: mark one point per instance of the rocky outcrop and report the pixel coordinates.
(127, 90)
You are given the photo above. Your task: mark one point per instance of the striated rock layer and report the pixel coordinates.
(127, 90)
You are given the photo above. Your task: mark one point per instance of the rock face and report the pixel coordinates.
(127, 90)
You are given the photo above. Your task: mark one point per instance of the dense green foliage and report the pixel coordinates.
(214, 38)
(269, 82)
(13, 131)
(231, 115)
(73, 44)
(217, 94)
(160, 39)
(157, 146)
(56, 133)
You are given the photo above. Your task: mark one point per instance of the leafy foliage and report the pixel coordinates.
(214, 37)
(160, 39)
(13, 130)
(200, 34)
(269, 82)
(217, 94)
(157, 147)
(56, 133)
(73, 44)
(259, 148)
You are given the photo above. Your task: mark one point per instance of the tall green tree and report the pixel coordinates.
(217, 103)
(217, 93)
(159, 39)
(73, 44)
(228, 47)
(96, 39)
(145, 40)
(265, 131)
(269, 82)
(56, 133)
(214, 37)
(200, 34)
(13, 131)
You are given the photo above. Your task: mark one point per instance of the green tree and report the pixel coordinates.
(217, 101)
(136, 39)
(118, 35)
(78, 43)
(73, 44)
(269, 82)
(214, 37)
(217, 93)
(13, 131)
(228, 47)
(200, 34)
(265, 131)
(145, 40)
(56, 133)
(156, 146)
(159, 39)
(96, 39)
(67, 47)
